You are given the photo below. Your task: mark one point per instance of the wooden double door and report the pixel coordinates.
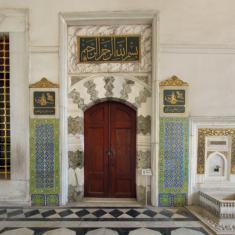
(110, 150)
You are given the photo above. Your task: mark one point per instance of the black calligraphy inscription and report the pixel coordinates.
(44, 102)
(109, 49)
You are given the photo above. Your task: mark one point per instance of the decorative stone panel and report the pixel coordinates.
(76, 159)
(144, 159)
(91, 89)
(144, 125)
(75, 125)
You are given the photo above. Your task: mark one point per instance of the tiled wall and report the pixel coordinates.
(44, 162)
(173, 161)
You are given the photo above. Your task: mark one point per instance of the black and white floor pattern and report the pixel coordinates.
(99, 221)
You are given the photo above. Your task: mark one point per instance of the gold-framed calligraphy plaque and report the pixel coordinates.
(174, 97)
(44, 102)
(174, 101)
(104, 49)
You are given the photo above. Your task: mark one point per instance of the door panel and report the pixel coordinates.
(123, 141)
(110, 150)
(95, 161)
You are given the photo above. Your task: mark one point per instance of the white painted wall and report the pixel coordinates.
(197, 43)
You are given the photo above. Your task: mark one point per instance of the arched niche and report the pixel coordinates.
(216, 167)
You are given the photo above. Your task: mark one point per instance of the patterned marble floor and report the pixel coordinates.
(99, 221)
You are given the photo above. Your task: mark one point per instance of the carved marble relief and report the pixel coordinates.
(75, 96)
(143, 159)
(76, 79)
(202, 134)
(144, 125)
(142, 98)
(76, 159)
(126, 89)
(109, 86)
(76, 175)
(75, 125)
(75, 194)
(91, 89)
(144, 78)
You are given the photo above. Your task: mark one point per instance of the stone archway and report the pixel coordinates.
(85, 93)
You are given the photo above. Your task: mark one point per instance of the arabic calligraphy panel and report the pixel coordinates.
(44, 102)
(124, 48)
(174, 101)
(174, 97)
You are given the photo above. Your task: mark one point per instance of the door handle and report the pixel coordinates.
(109, 152)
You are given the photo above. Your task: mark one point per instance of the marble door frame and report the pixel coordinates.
(101, 18)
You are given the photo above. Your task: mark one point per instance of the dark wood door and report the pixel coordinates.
(110, 150)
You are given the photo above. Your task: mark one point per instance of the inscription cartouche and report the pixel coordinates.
(125, 48)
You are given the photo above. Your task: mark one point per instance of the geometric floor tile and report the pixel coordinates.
(82, 213)
(144, 231)
(99, 213)
(95, 214)
(133, 213)
(99, 221)
(167, 213)
(116, 213)
(149, 213)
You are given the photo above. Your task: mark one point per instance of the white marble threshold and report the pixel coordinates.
(107, 224)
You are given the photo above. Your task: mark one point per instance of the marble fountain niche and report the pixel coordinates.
(217, 162)
(218, 193)
(216, 167)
